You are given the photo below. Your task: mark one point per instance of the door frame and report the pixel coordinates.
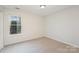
(2, 30)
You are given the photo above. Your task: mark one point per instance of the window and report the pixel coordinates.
(15, 26)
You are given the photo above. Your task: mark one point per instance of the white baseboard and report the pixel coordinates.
(48, 36)
(26, 39)
(54, 38)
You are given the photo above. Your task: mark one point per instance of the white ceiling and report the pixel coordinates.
(35, 9)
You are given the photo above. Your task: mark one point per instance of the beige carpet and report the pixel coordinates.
(40, 45)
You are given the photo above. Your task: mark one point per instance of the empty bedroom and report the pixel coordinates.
(39, 28)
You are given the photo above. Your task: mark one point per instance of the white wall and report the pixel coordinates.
(32, 27)
(64, 26)
(1, 30)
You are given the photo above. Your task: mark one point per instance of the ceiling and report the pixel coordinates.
(35, 9)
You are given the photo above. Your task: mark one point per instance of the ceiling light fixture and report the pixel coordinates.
(42, 6)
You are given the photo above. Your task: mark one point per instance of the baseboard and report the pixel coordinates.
(23, 41)
(48, 36)
(54, 38)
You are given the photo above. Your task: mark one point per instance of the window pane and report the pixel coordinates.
(15, 26)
